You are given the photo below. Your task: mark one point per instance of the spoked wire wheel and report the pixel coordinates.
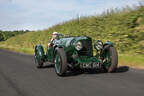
(60, 61)
(38, 61)
(110, 59)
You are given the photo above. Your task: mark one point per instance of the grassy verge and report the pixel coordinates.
(134, 61)
(19, 50)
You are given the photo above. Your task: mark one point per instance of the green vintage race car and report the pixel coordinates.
(77, 53)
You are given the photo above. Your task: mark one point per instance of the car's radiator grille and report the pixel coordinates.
(87, 48)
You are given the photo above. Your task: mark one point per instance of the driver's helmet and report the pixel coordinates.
(55, 35)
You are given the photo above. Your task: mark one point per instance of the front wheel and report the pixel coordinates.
(110, 58)
(60, 61)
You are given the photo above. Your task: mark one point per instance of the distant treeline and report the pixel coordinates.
(4, 35)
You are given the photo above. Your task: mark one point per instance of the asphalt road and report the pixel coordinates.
(20, 77)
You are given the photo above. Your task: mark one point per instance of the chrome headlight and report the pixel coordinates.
(78, 46)
(98, 45)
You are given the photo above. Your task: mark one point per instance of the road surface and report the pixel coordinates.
(20, 77)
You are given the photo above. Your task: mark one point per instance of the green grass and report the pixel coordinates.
(123, 27)
(131, 60)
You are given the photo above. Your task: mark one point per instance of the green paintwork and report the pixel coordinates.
(74, 57)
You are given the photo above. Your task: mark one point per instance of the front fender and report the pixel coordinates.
(106, 46)
(108, 43)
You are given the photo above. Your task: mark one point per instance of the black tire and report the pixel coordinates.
(114, 59)
(63, 61)
(38, 61)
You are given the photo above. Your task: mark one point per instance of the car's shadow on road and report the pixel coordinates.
(77, 72)
(120, 69)
(48, 66)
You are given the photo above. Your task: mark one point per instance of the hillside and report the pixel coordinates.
(123, 27)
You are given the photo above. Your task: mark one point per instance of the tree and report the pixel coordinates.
(2, 37)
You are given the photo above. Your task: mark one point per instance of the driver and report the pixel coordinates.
(54, 36)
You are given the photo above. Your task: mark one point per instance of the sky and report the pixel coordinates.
(42, 14)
